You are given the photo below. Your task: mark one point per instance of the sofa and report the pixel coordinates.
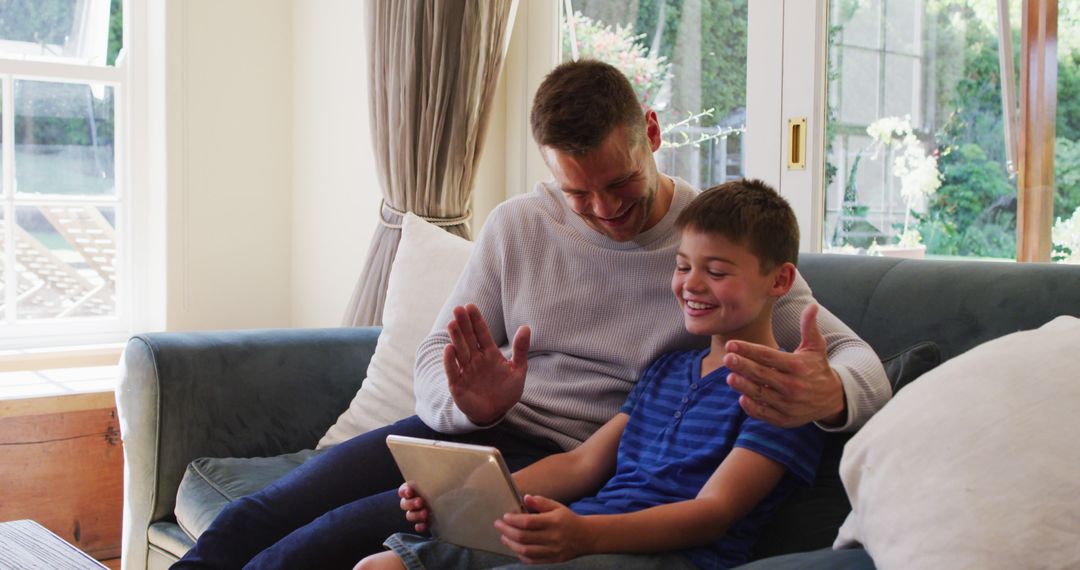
(264, 397)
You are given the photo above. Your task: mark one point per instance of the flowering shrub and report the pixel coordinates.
(618, 46)
(1066, 236)
(917, 171)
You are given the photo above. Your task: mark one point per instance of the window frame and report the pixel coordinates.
(139, 302)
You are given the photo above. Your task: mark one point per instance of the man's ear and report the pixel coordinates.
(652, 130)
(783, 277)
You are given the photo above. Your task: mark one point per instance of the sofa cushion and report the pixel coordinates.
(169, 540)
(427, 265)
(907, 365)
(211, 483)
(975, 465)
(810, 518)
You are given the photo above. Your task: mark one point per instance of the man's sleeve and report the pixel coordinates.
(866, 388)
(480, 284)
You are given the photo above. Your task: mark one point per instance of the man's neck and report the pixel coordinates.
(665, 195)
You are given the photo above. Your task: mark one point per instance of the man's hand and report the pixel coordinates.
(412, 503)
(788, 389)
(551, 533)
(483, 383)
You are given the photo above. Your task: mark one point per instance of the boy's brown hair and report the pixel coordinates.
(580, 103)
(748, 212)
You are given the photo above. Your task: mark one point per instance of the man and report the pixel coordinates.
(572, 282)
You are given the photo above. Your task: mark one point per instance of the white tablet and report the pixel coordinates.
(467, 487)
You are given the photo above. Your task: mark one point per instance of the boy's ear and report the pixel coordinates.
(783, 278)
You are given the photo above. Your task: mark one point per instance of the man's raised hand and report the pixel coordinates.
(483, 383)
(788, 389)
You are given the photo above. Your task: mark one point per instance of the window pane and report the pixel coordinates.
(65, 256)
(687, 61)
(916, 159)
(64, 139)
(82, 31)
(1066, 230)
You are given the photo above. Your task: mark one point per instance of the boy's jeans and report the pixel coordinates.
(337, 508)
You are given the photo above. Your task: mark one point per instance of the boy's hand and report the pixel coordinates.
(412, 503)
(551, 533)
(483, 383)
(788, 389)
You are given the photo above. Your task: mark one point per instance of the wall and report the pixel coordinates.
(272, 193)
(336, 192)
(335, 200)
(228, 167)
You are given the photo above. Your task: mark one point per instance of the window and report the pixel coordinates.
(687, 61)
(898, 103)
(64, 90)
(918, 158)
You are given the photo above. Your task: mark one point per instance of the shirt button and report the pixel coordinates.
(693, 386)
(685, 399)
(678, 415)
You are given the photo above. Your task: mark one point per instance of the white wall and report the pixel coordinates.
(271, 185)
(228, 120)
(335, 190)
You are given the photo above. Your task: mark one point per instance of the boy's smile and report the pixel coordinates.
(722, 290)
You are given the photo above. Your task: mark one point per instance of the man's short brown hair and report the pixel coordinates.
(580, 103)
(748, 212)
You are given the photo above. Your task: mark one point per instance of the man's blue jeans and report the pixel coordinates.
(336, 508)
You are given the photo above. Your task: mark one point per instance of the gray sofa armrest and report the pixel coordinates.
(225, 394)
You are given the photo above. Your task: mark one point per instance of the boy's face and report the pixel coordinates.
(721, 288)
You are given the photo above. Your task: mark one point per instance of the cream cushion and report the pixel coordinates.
(427, 266)
(977, 464)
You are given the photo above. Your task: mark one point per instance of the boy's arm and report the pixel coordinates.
(556, 533)
(574, 474)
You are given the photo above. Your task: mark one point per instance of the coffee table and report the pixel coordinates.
(26, 545)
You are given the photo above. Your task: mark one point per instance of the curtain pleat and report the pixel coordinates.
(433, 69)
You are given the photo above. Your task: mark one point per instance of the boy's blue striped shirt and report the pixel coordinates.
(681, 428)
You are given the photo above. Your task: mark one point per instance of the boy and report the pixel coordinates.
(681, 471)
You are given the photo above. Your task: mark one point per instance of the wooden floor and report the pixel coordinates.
(112, 563)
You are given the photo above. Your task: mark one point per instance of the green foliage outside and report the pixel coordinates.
(720, 28)
(973, 213)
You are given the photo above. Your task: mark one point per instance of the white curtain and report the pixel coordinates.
(433, 68)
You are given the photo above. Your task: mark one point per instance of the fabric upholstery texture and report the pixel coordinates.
(907, 365)
(428, 264)
(187, 395)
(167, 544)
(895, 303)
(211, 483)
(975, 465)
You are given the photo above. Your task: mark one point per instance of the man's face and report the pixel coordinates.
(720, 286)
(614, 187)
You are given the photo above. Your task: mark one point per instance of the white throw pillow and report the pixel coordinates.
(977, 464)
(427, 266)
